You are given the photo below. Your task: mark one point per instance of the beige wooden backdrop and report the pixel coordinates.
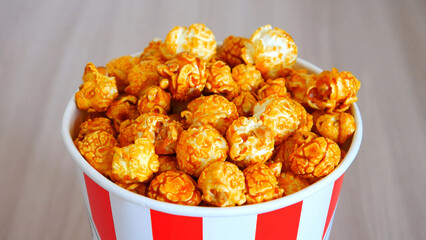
(45, 44)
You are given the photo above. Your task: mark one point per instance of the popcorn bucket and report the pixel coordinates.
(115, 213)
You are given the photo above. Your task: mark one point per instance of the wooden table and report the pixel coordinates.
(44, 46)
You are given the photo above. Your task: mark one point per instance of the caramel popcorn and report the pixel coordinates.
(297, 82)
(315, 158)
(153, 52)
(156, 100)
(214, 109)
(122, 109)
(230, 51)
(247, 77)
(139, 188)
(199, 146)
(141, 76)
(222, 184)
(97, 92)
(197, 39)
(97, 148)
(270, 50)
(261, 184)
(250, 142)
(283, 115)
(336, 126)
(219, 80)
(175, 187)
(135, 163)
(167, 163)
(333, 91)
(119, 68)
(93, 125)
(245, 103)
(291, 183)
(273, 87)
(184, 76)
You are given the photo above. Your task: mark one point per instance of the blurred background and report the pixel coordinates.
(44, 46)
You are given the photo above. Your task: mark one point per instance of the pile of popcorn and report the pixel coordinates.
(193, 123)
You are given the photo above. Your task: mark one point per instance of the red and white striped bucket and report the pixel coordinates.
(116, 213)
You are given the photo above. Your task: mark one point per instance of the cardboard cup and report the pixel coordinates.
(115, 213)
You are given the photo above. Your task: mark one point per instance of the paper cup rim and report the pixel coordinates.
(201, 211)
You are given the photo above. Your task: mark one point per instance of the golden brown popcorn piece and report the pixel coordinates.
(270, 50)
(174, 187)
(336, 126)
(283, 115)
(93, 125)
(315, 158)
(97, 92)
(135, 163)
(167, 138)
(276, 167)
(98, 150)
(197, 39)
(247, 77)
(214, 109)
(291, 183)
(184, 76)
(122, 109)
(141, 76)
(199, 146)
(249, 141)
(167, 163)
(273, 87)
(230, 51)
(333, 91)
(261, 184)
(156, 100)
(219, 80)
(222, 185)
(245, 103)
(139, 188)
(119, 68)
(297, 82)
(153, 52)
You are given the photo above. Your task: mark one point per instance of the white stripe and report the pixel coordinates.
(224, 228)
(327, 234)
(131, 221)
(314, 214)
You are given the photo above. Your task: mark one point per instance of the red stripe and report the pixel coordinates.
(333, 202)
(100, 207)
(168, 226)
(279, 224)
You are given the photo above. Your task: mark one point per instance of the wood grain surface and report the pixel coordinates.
(45, 45)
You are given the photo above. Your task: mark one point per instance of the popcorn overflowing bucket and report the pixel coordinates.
(115, 213)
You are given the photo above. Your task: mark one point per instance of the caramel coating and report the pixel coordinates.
(291, 183)
(220, 81)
(222, 185)
(276, 167)
(162, 131)
(339, 127)
(153, 52)
(93, 125)
(197, 39)
(139, 188)
(167, 162)
(245, 103)
(261, 184)
(214, 109)
(247, 77)
(273, 87)
(141, 76)
(98, 149)
(97, 91)
(135, 163)
(333, 91)
(249, 141)
(156, 100)
(297, 82)
(199, 146)
(122, 109)
(283, 115)
(230, 51)
(184, 76)
(119, 68)
(315, 158)
(174, 187)
(270, 50)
